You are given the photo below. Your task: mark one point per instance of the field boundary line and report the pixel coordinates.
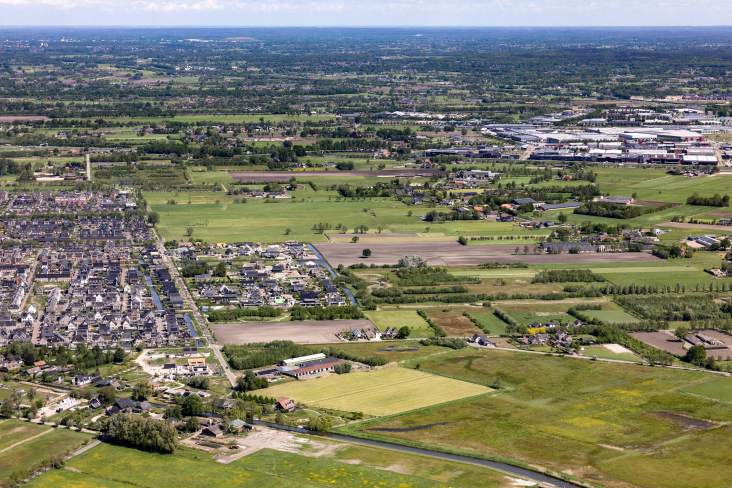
(26, 440)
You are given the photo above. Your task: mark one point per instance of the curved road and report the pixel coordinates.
(194, 309)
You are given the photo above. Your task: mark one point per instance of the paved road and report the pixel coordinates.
(527, 153)
(194, 309)
(84, 449)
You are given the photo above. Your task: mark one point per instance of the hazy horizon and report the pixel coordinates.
(378, 13)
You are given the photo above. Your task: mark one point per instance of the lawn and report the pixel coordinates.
(338, 465)
(399, 318)
(608, 423)
(30, 453)
(718, 389)
(382, 392)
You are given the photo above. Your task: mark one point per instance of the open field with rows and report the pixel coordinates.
(610, 423)
(301, 332)
(662, 341)
(382, 392)
(453, 254)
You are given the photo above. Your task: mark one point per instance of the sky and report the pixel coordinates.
(373, 13)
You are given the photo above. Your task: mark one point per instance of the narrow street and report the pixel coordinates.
(193, 308)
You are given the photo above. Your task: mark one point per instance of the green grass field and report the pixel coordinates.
(610, 316)
(605, 422)
(490, 320)
(12, 432)
(321, 462)
(399, 318)
(402, 350)
(32, 452)
(382, 392)
(604, 353)
(717, 389)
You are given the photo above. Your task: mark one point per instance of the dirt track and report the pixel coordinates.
(455, 254)
(685, 225)
(262, 176)
(305, 332)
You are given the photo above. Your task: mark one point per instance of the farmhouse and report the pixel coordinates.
(310, 367)
(285, 404)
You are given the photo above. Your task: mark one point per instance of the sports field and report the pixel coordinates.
(613, 424)
(382, 392)
(399, 318)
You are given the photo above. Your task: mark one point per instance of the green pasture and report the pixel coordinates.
(610, 316)
(490, 321)
(265, 220)
(12, 432)
(392, 351)
(716, 389)
(399, 318)
(610, 423)
(28, 454)
(340, 466)
(604, 353)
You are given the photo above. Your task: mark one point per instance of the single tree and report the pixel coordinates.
(366, 253)
(562, 218)
(404, 331)
(107, 395)
(192, 405)
(220, 270)
(142, 390)
(681, 333)
(354, 239)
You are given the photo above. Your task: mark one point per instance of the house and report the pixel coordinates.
(95, 403)
(285, 404)
(81, 380)
(141, 407)
(213, 431)
(241, 426)
(123, 403)
(481, 340)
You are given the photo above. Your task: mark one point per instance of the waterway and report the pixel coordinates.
(194, 334)
(501, 467)
(322, 261)
(155, 296)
